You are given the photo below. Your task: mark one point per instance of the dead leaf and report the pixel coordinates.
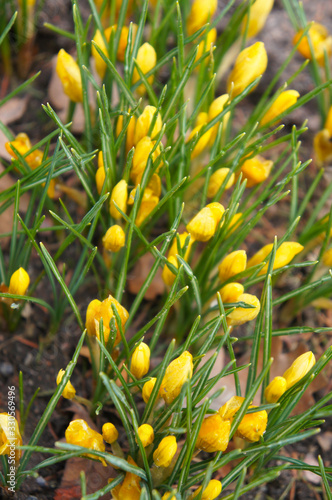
(138, 275)
(13, 110)
(310, 459)
(325, 441)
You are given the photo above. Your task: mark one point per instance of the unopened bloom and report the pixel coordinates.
(148, 204)
(119, 196)
(168, 496)
(231, 292)
(249, 65)
(103, 310)
(130, 489)
(165, 452)
(130, 130)
(140, 361)
(216, 107)
(167, 275)
(148, 388)
(259, 11)
(275, 389)
(174, 248)
(299, 368)
(321, 41)
(177, 373)
(22, 144)
(201, 11)
(211, 492)
(327, 258)
(114, 238)
(69, 390)
(143, 150)
(205, 223)
(284, 101)
(146, 60)
(100, 179)
(206, 44)
(241, 315)
(217, 179)
(144, 122)
(202, 142)
(284, 255)
(110, 433)
(79, 433)
(9, 435)
(146, 434)
(323, 141)
(214, 434)
(234, 263)
(19, 282)
(256, 170)
(252, 425)
(70, 76)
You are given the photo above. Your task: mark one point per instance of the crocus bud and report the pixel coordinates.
(167, 275)
(70, 76)
(275, 389)
(321, 41)
(234, 263)
(168, 496)
(130, 488)
(100, 179)
(258, 14)
(91, 313)
(214, 434)
(79, 433)
(174, 249)
(231, 292)
(177, 373)
(252, 426)
(228, 410)
(284, 255)
(202, 142)
(146, 60)
(103, 310)
(114, 238)
(130, 131)
(204, 225)
(19, 282)
(249, 65)
(323, 147)
(206, 44)
(241, 315)
(148, 388)
(327, 258)
(256, 170)
(201, 11)
(149, 202)
(299, 368)
(165, 452)
(110, 433)
(23, 145)
(9, 435)
(119, 196)
(143, 124)
(211, 492)
(69, 390)
(140, 361)
(216, 107)
(141, 156)
(201, 119)
(284, 101)
(146, 434)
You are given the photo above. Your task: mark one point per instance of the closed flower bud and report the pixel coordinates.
(130, 131)
(146, 60)
(100, 179)
(328, 123)
(9, 434)
(206, 44)
(146, 434)
(143, 124)
(103, 310)
(216, 107)
(201, 11)
(174, 249)
(167, 275)
(211, 492)
(252, 426)
(284, 101)
(165, 452)
(323, 147)
(91, 313)
(256, 170)
(19, 282)
(204, 225)
(130, 489)
(70, 76)
(110, 433)
(202, 142)
(284, 255)
(231, 292)
(148, 388)
(114, 238)
(249, 65)
(201, 119)
(23, 145)
(320, 41)
(177, 373)
(119, 196)
(214, 434)
(149, 202)
(299, 368)
(141, 156)
(80, 434)
(69, 390)
(228, 410)
(275, 389)
(327, 258)
(168, 496)
(241, 315)
(234, 263)
(258, 14)
(140, 361)
(217, 179)
(234, 223)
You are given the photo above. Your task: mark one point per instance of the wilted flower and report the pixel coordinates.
(148, 388)
(19, 282)
(214, 434)
(146, 434)
(110, 433)
(241, 315)
(216, 107)
(119, 196)
(130, 489)
(259, 11)
(249, 65)
(10, 437)
(146, 60)
(79, 433)
(201, 11)
(231, 292)
(284, 101)
(256, 170)
(69, 390)
(103, 310)
(204, 224)
(140, 361)
(177, 373)
(321, 41)
(234, 263)
(144, 122)
(299, 368)
(70, 76)
(114, 238)
(211, 492)
(165, 452)
(284, 255)
(275, 389)
(167, 275)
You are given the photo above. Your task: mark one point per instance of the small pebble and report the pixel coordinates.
(41, 481)
(6, 369)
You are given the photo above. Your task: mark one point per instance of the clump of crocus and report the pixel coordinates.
(249, 65)
(275, 389)
(241, 315)
(234, 263)
(214, 434)
(177, 373)
(205, 223)
(19, 282)
(212, 491)
(69, 390)
(119, 196)
(144, 122)
(79, 433)
(256, 170)
(165, 452)
(231, 292)
(148, 388)
(259, 11)
(321, 41)
(146, 434)
(284, 101)
(9, 435)
(284, 255)
(252, 425)
(70, 76)
(103, 310)
(114, 238)
(140, 361)
(146, 60)
(200, 13)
